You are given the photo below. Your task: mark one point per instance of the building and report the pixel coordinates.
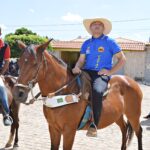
(147, 64)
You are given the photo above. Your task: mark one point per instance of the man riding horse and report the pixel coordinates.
(96, 59)
(4, 65)
(124, 96)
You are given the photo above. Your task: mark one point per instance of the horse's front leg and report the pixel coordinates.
(68, 138)
(55, 136)
(16, 116)
(16, 136)
(14, 113)
(12, 132)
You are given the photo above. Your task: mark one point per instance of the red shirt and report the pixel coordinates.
(7, 51)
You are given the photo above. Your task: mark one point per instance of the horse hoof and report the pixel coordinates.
(7, 145)
(16, 145)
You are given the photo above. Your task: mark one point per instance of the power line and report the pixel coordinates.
(70, 30)
(133, 20)
(76, 24)
(46, 25)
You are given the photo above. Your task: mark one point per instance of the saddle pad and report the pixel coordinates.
(86, 117)
(57, 101)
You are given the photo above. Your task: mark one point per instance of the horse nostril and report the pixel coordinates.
(21, 94)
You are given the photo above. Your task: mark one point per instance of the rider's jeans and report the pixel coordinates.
(4, 99)
(99, 85)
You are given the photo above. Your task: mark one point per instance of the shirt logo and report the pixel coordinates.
(101, 49)
(97, 62)
(88, 50)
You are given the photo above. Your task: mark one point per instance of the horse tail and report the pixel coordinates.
(130, 133)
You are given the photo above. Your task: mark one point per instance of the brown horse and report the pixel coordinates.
(124, 97)
(9, 82)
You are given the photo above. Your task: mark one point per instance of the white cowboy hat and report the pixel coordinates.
(106, 22)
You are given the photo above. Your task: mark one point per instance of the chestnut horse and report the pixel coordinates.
(124, 97)
(9, 82)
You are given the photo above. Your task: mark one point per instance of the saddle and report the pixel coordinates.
(85, 82)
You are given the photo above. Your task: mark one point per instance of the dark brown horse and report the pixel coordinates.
(124, 97)
(9, 82)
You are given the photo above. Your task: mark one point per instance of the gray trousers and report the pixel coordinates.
(99, 85)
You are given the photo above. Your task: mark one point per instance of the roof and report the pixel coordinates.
(125, 40)
(128, 44)
(125, 44)
(66, 44)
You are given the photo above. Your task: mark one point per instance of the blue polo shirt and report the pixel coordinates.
(99, 52)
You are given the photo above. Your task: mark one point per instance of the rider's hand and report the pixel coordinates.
(104, 72)
(76, 70)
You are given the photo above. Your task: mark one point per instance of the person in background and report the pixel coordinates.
(4, 65)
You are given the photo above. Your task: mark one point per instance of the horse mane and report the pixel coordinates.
(32, 51)
(59, 60)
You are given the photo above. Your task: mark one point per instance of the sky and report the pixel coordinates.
(62, 19)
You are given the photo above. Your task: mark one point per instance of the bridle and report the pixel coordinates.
(32, 82)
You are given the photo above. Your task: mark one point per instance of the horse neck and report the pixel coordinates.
(53, 76)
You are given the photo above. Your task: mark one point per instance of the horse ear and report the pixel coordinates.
(42, 47)
(21, 45)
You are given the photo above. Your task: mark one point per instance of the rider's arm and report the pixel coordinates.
(121, 59)
(80, 61)
(118, 54)
(5, 67)
(82, 56)
(6, 60)
(79, 64)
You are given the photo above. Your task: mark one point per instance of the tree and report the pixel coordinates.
(26, 36)
(24, 31)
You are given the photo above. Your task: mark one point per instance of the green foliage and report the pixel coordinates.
(24, 31)
(26, 36)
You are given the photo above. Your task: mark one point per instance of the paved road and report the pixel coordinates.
(34, 135)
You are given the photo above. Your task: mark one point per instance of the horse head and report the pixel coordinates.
(29, 63)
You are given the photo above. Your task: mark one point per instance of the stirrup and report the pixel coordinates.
(90, 132)
(92, 123)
